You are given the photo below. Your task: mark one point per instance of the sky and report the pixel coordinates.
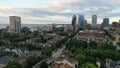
(58, 11)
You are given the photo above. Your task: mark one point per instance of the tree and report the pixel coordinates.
(1, 43)
(31, 61)
(80, 57)
(74, 43)
(31, 46)
(108, 34)
(47, 52)
(88, 65)
(15, 44)
(60, 42)
(14, 64)
(25, 29)
(2, 53)
(43, 64)
(92, 44)
(118, 43)
(105, 45)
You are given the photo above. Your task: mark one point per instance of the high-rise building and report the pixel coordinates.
(81, 20)
(85, 22)
(105, 22)
(74, 18)
(15, 23)
(94, 20)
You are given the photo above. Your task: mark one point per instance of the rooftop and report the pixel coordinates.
(5, 59)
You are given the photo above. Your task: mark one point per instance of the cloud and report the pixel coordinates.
(61, 5)
(6, 8)
(61, 11)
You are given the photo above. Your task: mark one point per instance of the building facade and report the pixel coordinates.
(85, 22)
(94, 20)
(74, 18)
(53, 27)
(117, 38)
(105, 22)
(91, 35)
(81, 20)
(15, 23)
(115, 24)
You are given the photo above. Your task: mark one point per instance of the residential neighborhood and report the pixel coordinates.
(59, 33)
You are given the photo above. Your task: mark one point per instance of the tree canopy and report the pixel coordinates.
(88, 65)
(47, 52)
(90, 52)
(14, 64)
(80, 57)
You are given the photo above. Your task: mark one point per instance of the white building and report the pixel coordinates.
(15, 23)
(94, 20)
(33, 29)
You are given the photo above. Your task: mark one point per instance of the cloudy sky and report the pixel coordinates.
(58, 11)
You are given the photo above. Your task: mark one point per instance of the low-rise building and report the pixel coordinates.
(91, 35)
(112, 64)
(45, 28)
(10, 29)
(52, 35)
(68, 29)
(116, 25)
(117, 38)
(87, 26)
(64, 62)
(4, 60)
(33, 29)
(42, 28)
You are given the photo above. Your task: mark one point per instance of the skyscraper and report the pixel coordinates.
(81, 20)
(15, 23)
(94, 20)
(85, 22)
(106, 22)
(74, 18)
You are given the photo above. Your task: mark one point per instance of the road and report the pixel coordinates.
(113, 42)
(54, 56)
(57, 53)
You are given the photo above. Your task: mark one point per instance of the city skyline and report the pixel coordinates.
(59, 12)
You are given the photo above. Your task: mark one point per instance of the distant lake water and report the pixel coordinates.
(31, 25)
